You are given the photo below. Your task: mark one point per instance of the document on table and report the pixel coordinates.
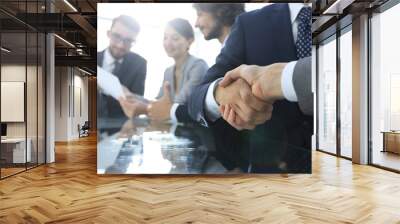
(109, 83)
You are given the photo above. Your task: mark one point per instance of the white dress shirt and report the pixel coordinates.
(109, 61)
(211, 106)
(172, 113)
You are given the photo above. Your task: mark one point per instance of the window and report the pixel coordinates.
(385, 89)
(346, 94)
(327, 96)
(23, 89)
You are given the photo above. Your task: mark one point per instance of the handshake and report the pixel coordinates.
(133, 105)
(246, 94)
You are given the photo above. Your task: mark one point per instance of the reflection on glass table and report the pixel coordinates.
(139, 146)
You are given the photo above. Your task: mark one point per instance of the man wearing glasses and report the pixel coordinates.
(129, 67)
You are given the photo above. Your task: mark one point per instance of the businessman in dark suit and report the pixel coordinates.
(282, 142)
(129, 67)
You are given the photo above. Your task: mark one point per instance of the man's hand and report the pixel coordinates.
(132, 107)
(127, 92)
(127, 129)
(160, 110)
(248, 109)
(265, 81)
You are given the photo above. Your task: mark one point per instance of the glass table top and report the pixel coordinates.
(140, 146)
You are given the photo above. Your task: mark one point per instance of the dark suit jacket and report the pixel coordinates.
(260, 37)
(132, 74)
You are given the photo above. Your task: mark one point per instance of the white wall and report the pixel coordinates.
(61, 103)
(69, 85)
(33, 126)
(16, 73)
(82, 83)
(80, 100)
(13, 73)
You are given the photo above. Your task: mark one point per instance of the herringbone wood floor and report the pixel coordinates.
(69, 191)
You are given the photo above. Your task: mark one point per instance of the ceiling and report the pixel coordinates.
(332, 15)
(76, 21)
(73, 21)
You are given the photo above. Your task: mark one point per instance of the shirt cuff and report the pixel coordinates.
(211, 105)
(287, 82)
(172, 113)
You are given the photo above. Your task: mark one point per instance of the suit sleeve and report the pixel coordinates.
(182, 114)
(195, 76)
(231, 56)
(161, 91)
(302, 85)
(138, 86)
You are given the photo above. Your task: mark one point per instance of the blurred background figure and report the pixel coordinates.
(129, 67)
(215, 19)
(179, 78)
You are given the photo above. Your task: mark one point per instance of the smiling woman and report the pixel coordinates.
(180, 78)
